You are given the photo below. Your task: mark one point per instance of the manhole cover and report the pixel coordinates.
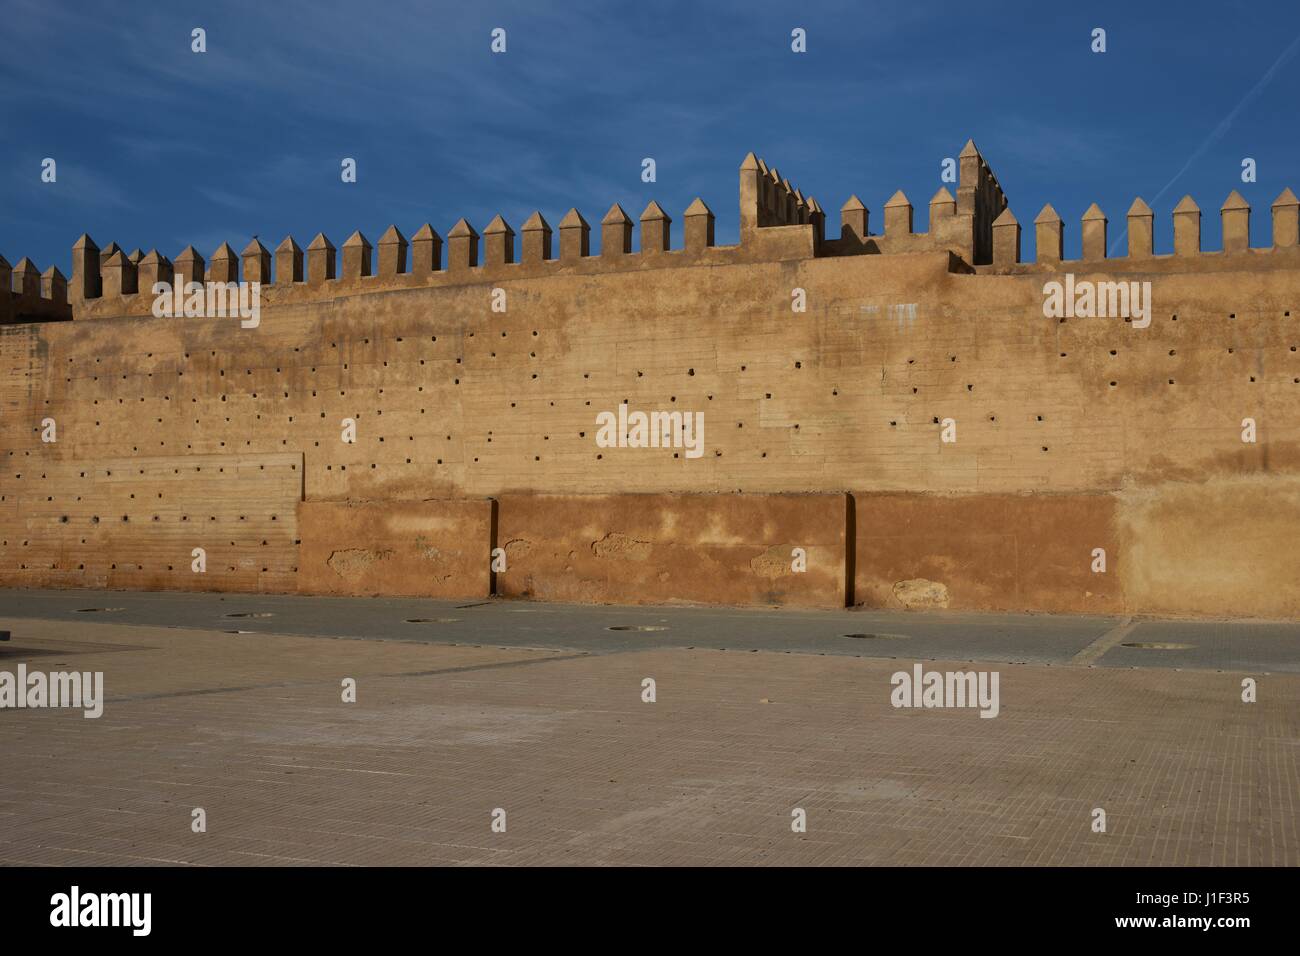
(241, 632)
(93, 610)
(879, 637)
(1158, 646)
(432, 620)
(249, 614)
(637, 627)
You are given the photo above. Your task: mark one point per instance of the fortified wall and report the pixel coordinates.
(889, 418)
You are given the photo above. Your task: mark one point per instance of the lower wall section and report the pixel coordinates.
(1225, 547)
(137, 522)
(655, 549)
(413, 548)
(987, 552)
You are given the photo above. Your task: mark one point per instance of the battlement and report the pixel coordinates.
(1188, 254)
(29, 295)
(777, 222)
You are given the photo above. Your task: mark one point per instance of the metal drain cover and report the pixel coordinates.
(249, 614)
(637, 627)
(93, 610)
(880, 637)
(1158, 646)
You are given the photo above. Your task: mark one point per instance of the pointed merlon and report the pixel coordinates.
(537, 238)
(288, 262)
(1286, 219)
(615, 232)
(27, 278)
(853, 220)
(1049, 236)
(257, 262)
(536, 223)
(224, 264)
(969, 149)
(575, 237)
(573, 219)
(898, 215)
(85, 242)
(392, 252)
(698, 208)
(1048, 215)
(462, 246)
(655, 229)
(426, 250)
(750, 162)
(1094, 233)
(1187, 227)
(1139, 208)
(1235, 217)
(1006, 239)
(356, 256)
(462, 230)
(320, 260)
(154, 267)
(699, 226)
(1234, 201)
(615, 215)
(654, 211)
(942, 206)
(499, 242)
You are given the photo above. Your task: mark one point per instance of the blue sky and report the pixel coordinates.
(160, 147)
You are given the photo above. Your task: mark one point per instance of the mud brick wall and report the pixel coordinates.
(481, 376)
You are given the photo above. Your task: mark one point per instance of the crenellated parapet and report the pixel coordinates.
(974, 225)
(29, 295)
(962, 224)
(1098, 246)
(109, 283)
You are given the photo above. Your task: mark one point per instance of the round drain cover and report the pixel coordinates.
(636, 627)
(92, 610)
(432, 620)
(249, 614)
(880, 637)
(1158, 646)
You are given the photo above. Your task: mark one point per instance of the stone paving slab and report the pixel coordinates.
(252, 729)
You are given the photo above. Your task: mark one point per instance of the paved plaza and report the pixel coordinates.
(539, 711)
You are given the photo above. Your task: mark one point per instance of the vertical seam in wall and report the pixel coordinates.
(850, 549)
(492, 546)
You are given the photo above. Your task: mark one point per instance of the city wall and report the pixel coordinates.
(920, 435)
